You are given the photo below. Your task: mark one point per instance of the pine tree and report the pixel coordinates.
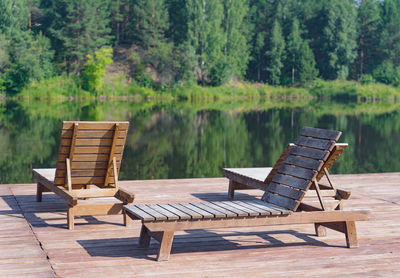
(368, 39)
(236, 29)
(275, 54)
(338, 49)
(77, 28)
(308, 71)
(14, 17)
(294, 47)
(390, 37)
(149, 22)
(205, 34)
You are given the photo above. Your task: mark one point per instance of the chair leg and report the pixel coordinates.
(127, 219)
(70, 217)
(351, 234)
(231, 189)
(320, 230)
(165, 246)
(39, 192)
(144, 240)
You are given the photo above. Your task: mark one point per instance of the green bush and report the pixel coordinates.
(94, 71)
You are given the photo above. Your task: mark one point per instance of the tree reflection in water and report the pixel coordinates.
(185, 140)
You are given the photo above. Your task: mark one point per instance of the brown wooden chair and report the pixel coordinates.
(88, 164)
(280, 204)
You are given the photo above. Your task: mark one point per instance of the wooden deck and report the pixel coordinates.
(35, 241)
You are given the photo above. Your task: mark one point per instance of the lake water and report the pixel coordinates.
(186, 140)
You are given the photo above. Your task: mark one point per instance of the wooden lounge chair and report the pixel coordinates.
(88, 164)
(281, 204)
(260, 177)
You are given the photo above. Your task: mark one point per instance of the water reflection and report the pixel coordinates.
(181, 140)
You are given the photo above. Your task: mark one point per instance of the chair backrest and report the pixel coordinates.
(90, 146)
(300, 167)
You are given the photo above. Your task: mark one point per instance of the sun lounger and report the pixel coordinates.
(88, 164)
(281, 203)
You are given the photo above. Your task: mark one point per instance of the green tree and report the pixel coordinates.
(293, 49)
(95, 69)
(275, 54)
(236, 30)
(77, 28)
(14, 16)
(390, 34)
(308, 71)
(205, 34)
(369, 21)
(338, 49)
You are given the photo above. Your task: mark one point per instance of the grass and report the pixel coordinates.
(67, 87)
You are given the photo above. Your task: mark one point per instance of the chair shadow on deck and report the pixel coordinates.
(198, 241)
(27, 205)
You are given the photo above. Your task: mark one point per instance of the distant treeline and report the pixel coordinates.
(208, 42)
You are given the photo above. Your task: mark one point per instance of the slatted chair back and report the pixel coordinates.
(88, 152)
(300, 167)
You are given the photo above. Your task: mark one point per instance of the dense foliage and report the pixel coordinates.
(159, 43)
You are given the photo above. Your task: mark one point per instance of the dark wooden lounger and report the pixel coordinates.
(281, 203)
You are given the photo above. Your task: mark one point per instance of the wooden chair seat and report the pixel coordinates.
(285, 188)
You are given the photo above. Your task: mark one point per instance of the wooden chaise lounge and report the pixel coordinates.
(280, 204)
(88, 164)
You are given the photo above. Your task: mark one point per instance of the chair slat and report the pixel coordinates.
(303, 162)
(139, 213)
(292, 181)
(157, 215)
(228, 213)
(261, 211)
(182, 215)
(193, 214)
(202, 212)
(280, 201)
(94, 125)
(297, 171)
(236, 210)
(250, 212)
(308, 152)
(170, 215)
(286, 191)
(320, 133)
(205, 207)
(314, 143)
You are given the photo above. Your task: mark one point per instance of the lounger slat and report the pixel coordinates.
(84, 165)
(157, 215)
(95, 125)
(228, 213)
(88, 157)
(92, 142)
(205, 207)
(91, 150)
(275, 210)
(291, 181)
(303, 162)
(280, 201)
(262, 212)
(247, 210)
(106, 134)
(286, 191)
(308, 152)
(193, 214)
(296, 171)
(320, 133)
(139, 213)
(239, 212)
(314, 143)
(167, 213)
(203, 213)
(176, 211)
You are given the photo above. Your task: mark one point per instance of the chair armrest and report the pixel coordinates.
(125, 196)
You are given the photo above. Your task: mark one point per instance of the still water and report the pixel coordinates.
(185, 140)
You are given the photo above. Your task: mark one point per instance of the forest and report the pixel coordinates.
(83, 44)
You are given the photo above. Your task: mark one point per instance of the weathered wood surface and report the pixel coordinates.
(102, 247)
